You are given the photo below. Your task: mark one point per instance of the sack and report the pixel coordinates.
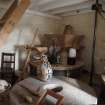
(45, 71)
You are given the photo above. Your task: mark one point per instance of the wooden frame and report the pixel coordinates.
(60, 98)
(8, 67)
(48, 39)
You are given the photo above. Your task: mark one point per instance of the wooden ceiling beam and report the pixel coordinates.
(13, 19)
(71, 8)
(43, 2)
(59, 4)
(75, 12)
(8, 12)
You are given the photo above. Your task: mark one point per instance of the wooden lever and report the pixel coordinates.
(58, 97)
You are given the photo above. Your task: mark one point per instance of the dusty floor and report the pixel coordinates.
(4, 99)
(97, 85)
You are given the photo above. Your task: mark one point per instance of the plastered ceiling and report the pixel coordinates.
(54, 7)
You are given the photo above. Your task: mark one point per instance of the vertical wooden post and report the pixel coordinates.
(94, 45)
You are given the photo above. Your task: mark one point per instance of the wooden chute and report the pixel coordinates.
(11, 17)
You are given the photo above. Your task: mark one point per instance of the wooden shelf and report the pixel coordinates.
(61, 67)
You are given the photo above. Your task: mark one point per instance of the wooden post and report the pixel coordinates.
(94, 46)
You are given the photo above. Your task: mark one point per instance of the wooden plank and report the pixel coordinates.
(62, 67)
(40, 50)
(13, 19)
(58, 97)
